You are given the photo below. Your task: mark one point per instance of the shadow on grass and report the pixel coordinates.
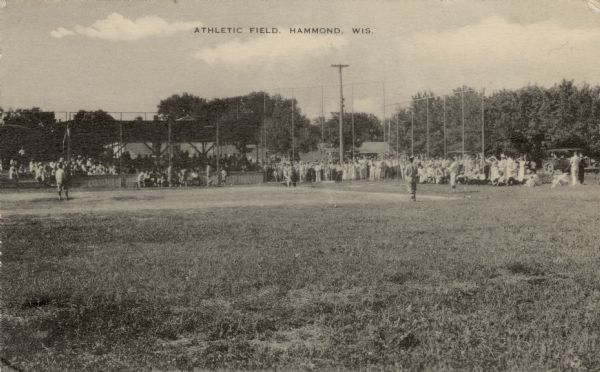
(525, 268)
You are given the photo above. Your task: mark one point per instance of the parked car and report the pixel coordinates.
(559, 159)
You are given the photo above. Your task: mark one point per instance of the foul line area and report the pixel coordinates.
(126, 200)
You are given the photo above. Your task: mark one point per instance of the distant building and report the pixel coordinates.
(374, 148)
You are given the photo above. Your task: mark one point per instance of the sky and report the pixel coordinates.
(127, 55)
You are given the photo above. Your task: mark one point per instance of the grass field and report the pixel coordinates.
(334, 277)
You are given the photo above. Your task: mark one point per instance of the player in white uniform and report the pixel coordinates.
(61, 182)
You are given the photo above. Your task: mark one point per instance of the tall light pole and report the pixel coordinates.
(445, 141)
(69, 138)
(263, 140)
(462, 105)
(170, 153)
(121, 150)
(353, 140)
(427, 125)
(322, 114)
(218, 154)
(412, 132)
(293, 138)
(340, 67)
(217, 146)
(426, 121)
(482, 124)
(384, 123)
(397, 134)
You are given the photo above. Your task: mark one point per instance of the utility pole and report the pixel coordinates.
(340, 67)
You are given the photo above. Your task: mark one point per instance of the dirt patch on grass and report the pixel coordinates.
(526, 268)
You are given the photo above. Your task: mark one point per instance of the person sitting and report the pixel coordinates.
(141, 180)
(560, 179)
(532, 179)
(223, 176)
(13, 173)
(195, 177)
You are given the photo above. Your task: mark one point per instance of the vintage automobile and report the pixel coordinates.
(559, 159)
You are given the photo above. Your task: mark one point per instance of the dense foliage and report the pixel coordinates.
(528, 120)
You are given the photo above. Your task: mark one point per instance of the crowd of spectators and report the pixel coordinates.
(501, 171)
(151, 171)
(198, 170)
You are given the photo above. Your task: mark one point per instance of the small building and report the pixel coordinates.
(374, 148)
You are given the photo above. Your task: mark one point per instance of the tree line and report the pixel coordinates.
(528, 120)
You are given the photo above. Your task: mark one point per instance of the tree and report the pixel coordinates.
(367, 127)
(91, 132)
(278, 126)
(179, 106)
(31, 129)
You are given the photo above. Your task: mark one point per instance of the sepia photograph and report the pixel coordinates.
(345, 185)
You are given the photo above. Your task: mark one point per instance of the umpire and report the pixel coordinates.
(411, 174)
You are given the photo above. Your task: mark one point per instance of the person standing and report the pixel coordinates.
(575, 161)
(411, 174)
(208, 174)
(61, 182)
(318, 173)
(581, 169)
(13, 172)
(453, 169)
(521, 174)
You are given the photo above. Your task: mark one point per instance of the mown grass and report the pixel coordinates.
(506, 279)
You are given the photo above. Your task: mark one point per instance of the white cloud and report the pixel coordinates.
(271, 48)
(61, 32)
(115, 27)
(368, 104)
(499, 52)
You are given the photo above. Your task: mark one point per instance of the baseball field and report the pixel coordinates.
(351, 276)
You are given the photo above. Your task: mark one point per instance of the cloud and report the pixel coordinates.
(494, 49)
(271, 48)
(115, 27)
(61, 32)
(368, 104)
